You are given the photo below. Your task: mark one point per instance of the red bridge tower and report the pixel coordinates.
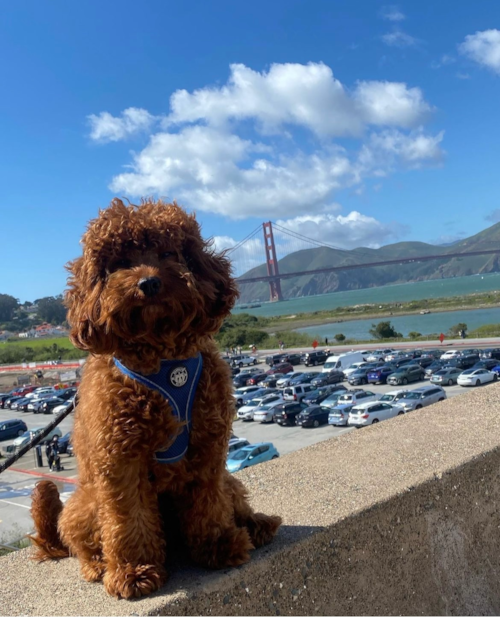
(272, 263)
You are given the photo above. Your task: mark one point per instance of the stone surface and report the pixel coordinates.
(398, 518)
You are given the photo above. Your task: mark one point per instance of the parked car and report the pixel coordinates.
(63, 406)
(487, 363)
(450, 354)
(380, 374)
(251, 455)
(317, 396)
(304, 378)
(339, 415)
(276, 358)
(406, 374)
(12, 428)
(41, 391)
(312, 416)
(241, 378)
(255, 379)
(35, 405)
(271, 381)
(12, 399)
(326, 379)
(424, 361)
(28, 435)
(297, 393)
(17, 402)
(437, 365)
(285, 413)
(282, 367)
(357, 396)
(286, 380)
(446, 376)
(246, 393)
(359, 376)
(421, 397)
(340, 362)
(393, 397)
(49, 404)
(372, 413)
(353, 367)
(292, 358)
(464, 361)
(491, 353)
(243, 360)
(63, 443)
(236, 444)
(265, 412)
(333, 399)
(247, 410)
(314, 358)
(476, 377)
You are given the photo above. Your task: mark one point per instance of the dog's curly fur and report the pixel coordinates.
(113, 521)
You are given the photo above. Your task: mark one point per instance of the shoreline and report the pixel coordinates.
(296, 324)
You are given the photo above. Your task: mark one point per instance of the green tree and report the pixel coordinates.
(383, 330)
(8, 306)
(340, 338)
(52, 310)
(455, 330)
(414, 335)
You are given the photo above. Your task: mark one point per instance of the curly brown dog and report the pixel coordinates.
(148, 290)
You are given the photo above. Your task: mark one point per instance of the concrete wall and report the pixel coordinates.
(398, 518)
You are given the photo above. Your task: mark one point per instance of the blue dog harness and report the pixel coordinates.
(177, 381)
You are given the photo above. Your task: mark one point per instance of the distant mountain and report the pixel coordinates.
(376, 276)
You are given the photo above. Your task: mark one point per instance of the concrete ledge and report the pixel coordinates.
(399, 518)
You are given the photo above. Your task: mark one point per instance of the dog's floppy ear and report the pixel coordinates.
(82, 298)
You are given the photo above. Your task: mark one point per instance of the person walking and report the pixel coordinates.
(54, 457)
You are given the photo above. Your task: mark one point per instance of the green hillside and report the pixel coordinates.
(315, 258)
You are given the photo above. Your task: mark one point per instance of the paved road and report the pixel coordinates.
(17, 483)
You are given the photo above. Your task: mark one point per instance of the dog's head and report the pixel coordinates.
(146, 279)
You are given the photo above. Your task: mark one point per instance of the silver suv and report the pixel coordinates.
(421, 397)
(297, 393)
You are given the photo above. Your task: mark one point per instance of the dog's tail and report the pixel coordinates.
(46, 506)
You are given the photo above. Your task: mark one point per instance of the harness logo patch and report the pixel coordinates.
(179, 376)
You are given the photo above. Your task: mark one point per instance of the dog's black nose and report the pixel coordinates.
(150, 286)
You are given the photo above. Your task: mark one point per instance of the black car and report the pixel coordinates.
(12, 399)
(292, 358)
(313, 416)
(276, 358)
(64, 443)
(491, 353)
(487, 363)
(48, 404)
(437, 365)
(326, 379)
(318, 396)
(66, 393)
(314, 358)
(304, 378)
(270, 381)
(360, 376)
(464, 361)
(285, 414)
(400, 362)
(425, 361)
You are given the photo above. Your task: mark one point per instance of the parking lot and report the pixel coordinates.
(17, 483)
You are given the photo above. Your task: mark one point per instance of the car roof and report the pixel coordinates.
(368, 404)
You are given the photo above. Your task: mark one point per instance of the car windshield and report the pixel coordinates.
(388, 397)
(252, 403)
(239, 455)
(468, 372)
(440, 372)
(413, 395)
(345, 397)
(264, 407)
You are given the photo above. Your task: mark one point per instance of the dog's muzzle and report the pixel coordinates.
(150, 286)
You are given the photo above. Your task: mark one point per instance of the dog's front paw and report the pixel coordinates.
(93, 570)
(231, 548)
(128, 581)
(262, 528)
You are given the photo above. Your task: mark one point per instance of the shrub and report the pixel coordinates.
(340, 338)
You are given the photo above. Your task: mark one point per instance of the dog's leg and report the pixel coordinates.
(132, 538)
(261, 527)
(206, 514)
(79, 529)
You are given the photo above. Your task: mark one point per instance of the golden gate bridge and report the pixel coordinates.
(272, 239)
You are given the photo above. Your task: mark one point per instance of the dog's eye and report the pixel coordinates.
(120, 264)
(165, 254)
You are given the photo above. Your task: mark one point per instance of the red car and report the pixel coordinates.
(283, 367)
(21, 391)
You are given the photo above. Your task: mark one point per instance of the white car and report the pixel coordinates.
(476, 377)
(356, 397)
(265, 412)
(246, 411)
(39, 392)
(450, 354)
(393, 397)
(243, 361)
(60, 408)
(373, 412)
(246, 393)
(378, 354)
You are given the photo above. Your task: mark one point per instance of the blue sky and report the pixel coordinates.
(355, 122)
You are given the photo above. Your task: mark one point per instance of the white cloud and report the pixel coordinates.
(392, 13)
(104, 127)
(398, 38)
(484, 48)
(200, 157)
(346, 232)
(444, 60)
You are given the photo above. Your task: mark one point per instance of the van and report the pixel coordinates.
(342, 361)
